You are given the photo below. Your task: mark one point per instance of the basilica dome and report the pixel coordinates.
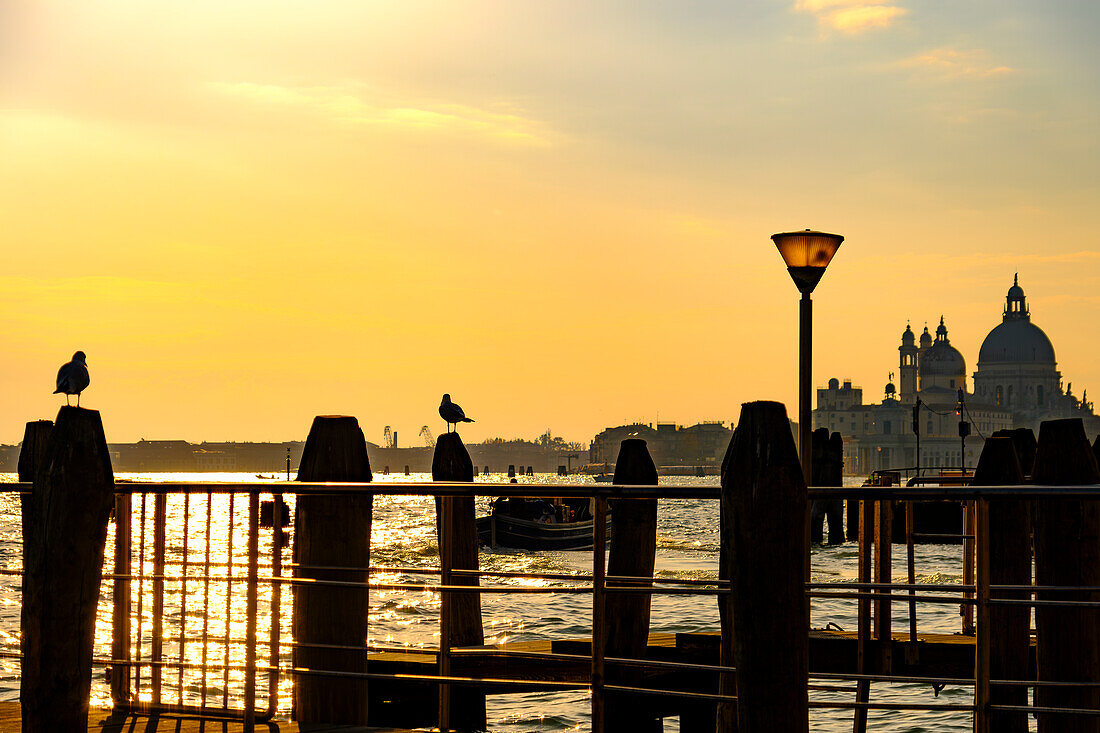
(1016, 340)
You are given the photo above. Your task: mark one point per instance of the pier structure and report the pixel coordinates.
(198, 655)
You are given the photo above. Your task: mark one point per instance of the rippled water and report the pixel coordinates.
(404, 535)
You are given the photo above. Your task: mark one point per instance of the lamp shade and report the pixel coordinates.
(807, 254)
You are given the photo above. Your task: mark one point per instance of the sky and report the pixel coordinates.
(251, 213)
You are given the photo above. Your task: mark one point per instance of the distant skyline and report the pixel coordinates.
(248, 214)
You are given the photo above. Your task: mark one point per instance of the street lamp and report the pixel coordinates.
(806, 254)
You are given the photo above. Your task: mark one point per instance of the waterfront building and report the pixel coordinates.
(703, 444)
(1016, 385)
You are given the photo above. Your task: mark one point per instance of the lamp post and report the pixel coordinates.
(806, 254)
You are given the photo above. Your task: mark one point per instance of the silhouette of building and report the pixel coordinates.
(1017, 384)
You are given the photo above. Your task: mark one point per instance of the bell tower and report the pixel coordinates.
(908, 366)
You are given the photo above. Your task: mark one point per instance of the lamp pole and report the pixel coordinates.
(806, 254)
(805, 362)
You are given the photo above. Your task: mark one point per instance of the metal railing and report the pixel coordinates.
(148, 648)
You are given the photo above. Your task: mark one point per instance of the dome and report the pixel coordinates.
(834, 383)
(941, 358)
(1017, 340)
(907, 337)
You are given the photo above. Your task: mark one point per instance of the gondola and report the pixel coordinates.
(538, 525)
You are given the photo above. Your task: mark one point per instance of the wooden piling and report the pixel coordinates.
(632, 553)
(62, 568)
(1067, 553)
(1003, 558)
(332, 531)
(765, 496)
(828, 470)
(1023, 440)
(460, 612)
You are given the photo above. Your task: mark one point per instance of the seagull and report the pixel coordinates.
(452, 413)
(72, 378)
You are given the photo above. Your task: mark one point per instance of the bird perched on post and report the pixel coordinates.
(452, 413)
(73, 378)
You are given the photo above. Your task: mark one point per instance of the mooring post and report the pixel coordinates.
(828, 470)
(62, 568)
(332, 531)
(632, 554)
(1067, 553)
(764, 493)
(460, 708)
(1002, 648)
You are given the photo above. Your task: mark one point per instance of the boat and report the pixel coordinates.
(604, 478)
(538, 524)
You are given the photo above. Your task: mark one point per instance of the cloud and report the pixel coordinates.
(852, 16)
(348, 105)
(950, 63)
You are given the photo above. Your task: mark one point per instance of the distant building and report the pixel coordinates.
(703, 444)
(1017, 384)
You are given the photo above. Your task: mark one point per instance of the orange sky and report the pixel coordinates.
(251, 213)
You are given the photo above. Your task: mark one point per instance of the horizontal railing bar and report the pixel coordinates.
(897, 597)
(671, 693)
(658, 664)
(1032, 602)
(890, 678)
(1038, 709)
(897, 586)
(1041, 683)
(959, 707)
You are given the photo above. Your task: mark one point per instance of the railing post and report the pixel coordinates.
(764, 493)
(983, 639)
(276, 602)
(332, 531)
(863, 621)
(252, 607)
(599, 627)
(884, 521)
(160, 520)
(63, 566)
(966, 610)
(120, 607)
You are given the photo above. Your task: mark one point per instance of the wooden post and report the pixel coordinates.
(332, 531)
(1067, 553)
(1096, 448)
(1003, 558)
(460, 612)
(765, 498)
(966, 610)
(63, 565)
(828, 470)
(632, 553)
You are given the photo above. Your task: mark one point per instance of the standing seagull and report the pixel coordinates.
(452, 413)
(72, 378)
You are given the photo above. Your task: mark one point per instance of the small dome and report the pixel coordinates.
(907, 337)
(891, 389)
(941, 358)
(925, 339)
(834, 383)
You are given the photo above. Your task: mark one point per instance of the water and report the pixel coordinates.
(403, 535)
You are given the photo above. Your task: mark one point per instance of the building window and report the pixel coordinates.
(886, 427)
(998, 396)
(1010, 395)
(1039, 395)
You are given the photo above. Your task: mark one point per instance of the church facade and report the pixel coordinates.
(1016, 384)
